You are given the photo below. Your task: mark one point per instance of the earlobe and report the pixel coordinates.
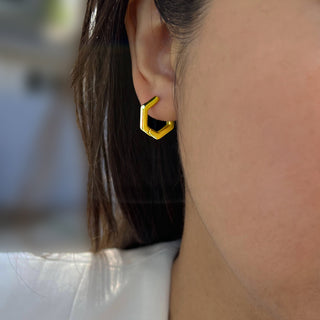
(150, 47)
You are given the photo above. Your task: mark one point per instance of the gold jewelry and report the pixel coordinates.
(144, 121)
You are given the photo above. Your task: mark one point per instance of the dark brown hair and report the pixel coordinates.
(135, 183)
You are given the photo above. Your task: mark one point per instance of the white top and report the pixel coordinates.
(117, 284)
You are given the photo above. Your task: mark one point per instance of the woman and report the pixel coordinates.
(238, 84)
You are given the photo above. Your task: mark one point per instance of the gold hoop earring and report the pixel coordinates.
(144, 121)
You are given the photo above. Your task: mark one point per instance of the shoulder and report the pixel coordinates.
(115, 282)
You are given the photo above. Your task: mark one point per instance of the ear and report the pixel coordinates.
(152, 58)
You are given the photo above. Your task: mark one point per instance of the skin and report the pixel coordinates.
(249, 136)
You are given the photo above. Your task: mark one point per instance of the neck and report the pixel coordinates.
(202, 284)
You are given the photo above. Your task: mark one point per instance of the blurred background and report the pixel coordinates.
(42, 159)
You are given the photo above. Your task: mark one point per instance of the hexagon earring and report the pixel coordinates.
(144, 121)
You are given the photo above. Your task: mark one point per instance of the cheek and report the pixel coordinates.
(250, 147)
